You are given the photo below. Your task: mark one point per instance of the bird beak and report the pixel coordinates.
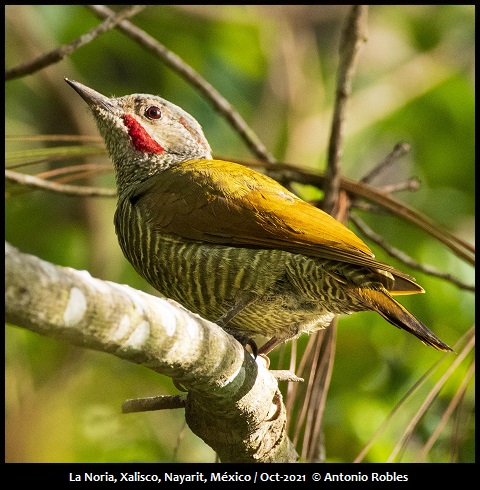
(92, 98)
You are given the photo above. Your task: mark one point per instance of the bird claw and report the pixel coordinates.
(245, 341)
(266, 359)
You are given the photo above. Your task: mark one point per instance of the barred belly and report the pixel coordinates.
(292, 293)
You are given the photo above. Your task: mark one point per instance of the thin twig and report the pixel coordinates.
(55, 137)
(416, 386)
(285, 375)
(458, 246)
(166, 402)
(411, 184)
(71, 190)
(310, 360)
(316, 365)
(61, 52)
(353, 35)
(98, 168)
(403, 257)
(454, 402)
(399, 150)
(335, 203)
(428, 401)
(188, 73)
(283, 171)
(49, 159)
(327, 358)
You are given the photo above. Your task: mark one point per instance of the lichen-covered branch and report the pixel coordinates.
(233, 403)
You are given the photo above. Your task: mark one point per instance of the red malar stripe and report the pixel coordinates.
(141, 140)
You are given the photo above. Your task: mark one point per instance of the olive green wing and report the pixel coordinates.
(225, 203)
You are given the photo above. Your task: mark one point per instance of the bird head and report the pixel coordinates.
(144, 134)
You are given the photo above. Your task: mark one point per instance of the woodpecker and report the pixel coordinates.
(230, 243)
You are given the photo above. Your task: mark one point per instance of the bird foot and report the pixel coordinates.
(245, 341)
(266, 359)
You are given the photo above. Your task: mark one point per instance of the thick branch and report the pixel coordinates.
(233, 403)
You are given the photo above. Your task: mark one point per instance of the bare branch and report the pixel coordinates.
(55, 137)
(411, 184)
(354, 34)
(285, 375)
(76, 171)
(403, 257)
(463, 346)
(458, 246)
(154, 403)
(67, 49)
(282, 172)
(69, 190)
(398, 151)
(188, 73)
(457, 399)
(429, 399)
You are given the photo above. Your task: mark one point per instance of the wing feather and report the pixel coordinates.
(226, 203)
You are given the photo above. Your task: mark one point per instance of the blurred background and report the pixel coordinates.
(277, 65)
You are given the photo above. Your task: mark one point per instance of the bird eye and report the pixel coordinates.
(153, 112)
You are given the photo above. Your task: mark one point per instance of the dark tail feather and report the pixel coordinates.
(396, 314)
